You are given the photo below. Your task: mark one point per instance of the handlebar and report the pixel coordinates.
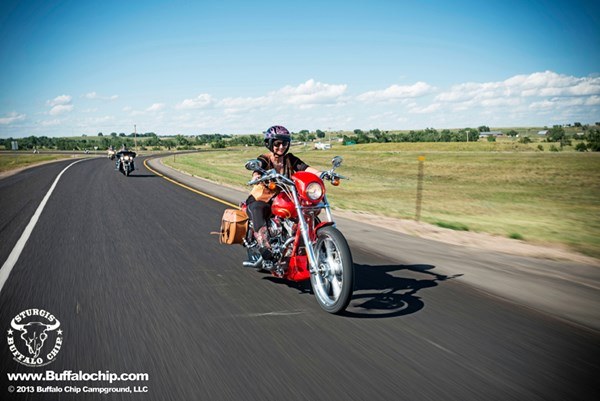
(272, 175)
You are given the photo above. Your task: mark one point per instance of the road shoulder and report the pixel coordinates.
(552, 281)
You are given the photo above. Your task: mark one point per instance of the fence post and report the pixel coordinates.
(420, 187)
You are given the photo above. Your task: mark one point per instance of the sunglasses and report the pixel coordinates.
(277, 144)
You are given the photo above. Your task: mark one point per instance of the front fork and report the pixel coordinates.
(313, 266)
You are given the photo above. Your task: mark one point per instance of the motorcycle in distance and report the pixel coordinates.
(125, 162)
(304, 247)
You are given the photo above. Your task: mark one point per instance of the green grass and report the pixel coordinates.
(500, 188)
(14, 161)
(452, 226)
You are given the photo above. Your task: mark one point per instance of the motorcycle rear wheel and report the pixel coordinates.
(333, 282)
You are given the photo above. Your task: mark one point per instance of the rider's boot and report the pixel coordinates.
(262, 238)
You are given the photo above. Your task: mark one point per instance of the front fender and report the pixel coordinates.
(324, 224)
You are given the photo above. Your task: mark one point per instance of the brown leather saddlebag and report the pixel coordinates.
(233, 226)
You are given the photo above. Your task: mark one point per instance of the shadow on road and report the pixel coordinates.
(379, 294)
(142, 176)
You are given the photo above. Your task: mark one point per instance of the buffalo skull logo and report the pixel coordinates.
(34, 334)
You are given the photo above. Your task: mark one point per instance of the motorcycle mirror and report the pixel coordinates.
(337, 161)
(253, 165)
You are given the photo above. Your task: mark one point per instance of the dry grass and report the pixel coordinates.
(13, 161)
(504, 188)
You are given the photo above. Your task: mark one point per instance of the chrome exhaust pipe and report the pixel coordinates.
(247, 263)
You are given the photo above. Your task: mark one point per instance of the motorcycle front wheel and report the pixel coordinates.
(333, 281)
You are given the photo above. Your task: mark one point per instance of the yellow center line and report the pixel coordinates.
(188, 187)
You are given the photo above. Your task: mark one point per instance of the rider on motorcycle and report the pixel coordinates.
(277, 139)
(120, 154)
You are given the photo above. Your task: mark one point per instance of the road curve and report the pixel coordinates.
(130, 268)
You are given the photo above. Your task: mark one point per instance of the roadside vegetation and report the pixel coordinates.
(568, 137)
(505, 188)
(15, 161)
(536, 184)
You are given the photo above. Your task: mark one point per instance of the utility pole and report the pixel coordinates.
(135, 136)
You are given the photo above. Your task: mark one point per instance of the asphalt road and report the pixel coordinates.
(139, 284)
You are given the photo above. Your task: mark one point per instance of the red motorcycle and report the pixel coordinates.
(304, 246)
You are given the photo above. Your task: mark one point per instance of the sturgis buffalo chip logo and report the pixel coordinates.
(34, 337)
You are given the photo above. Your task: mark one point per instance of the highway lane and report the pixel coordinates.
(130, 268)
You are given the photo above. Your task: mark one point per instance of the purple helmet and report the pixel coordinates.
(277, 132)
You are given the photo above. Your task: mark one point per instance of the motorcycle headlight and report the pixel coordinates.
(314, 191)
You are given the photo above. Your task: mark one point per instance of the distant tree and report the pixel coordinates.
(181, 140)
(577, 124)
(525, 139)
(113, 134)
(219, 144)
(556, 134)
(100, 134)
(491, 138)
(483, 128)
(168, 143)
(300, 137)
(320, 134)
(153, 141)
(581, 147)
(512, 133)
(593, 138)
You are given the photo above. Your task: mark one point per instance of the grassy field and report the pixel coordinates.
(504, 188)
(14, 161)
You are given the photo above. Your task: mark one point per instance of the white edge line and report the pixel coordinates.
(16, 252)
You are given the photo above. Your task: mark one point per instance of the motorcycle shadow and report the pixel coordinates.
(143, 176)
(378, 293)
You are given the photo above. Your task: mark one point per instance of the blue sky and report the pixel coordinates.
(236, 67)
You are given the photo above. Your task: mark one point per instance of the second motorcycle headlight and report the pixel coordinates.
(314, 191)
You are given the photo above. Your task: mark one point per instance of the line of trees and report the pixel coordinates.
(590, 137)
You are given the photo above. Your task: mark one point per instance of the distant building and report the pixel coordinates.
(491, 133)
(543, 132)
(322, 146)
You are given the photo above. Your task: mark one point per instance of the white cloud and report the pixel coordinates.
(156, 107)
(59, 100)
(539, 84)
(11, 118)
(397, 92)
(60, 109)
(434, 107)
(199, 102)
(95, 96)
(50, 123)
(232, 105)
(540, 98)
(60, 104)
(308, 93)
